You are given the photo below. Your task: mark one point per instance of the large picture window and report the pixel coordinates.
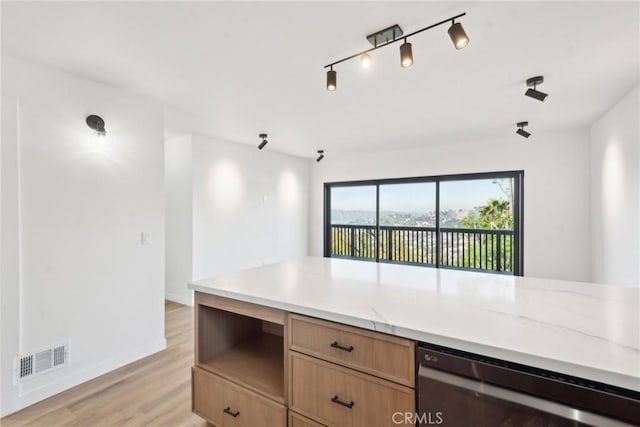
(470, 222)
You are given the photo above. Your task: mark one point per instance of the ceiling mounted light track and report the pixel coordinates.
(521, 130)
(264, 142)
(534, 93)
(394, 34)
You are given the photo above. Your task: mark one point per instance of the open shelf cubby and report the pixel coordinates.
(246, 350)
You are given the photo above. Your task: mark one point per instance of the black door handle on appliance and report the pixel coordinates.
(341, 347)
(228, 410)
(336, 399)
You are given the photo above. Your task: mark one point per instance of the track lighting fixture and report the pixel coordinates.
(521, 130)
(331, 79)
(406, 55)
(394, 34)
(321, 156)
(534, 93)
(264, 142)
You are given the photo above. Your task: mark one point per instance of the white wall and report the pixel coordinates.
(615, 142)
(249, 206)
(73, 213)
(233, 207)
(179, 222)
(9, 252)
(556, 190)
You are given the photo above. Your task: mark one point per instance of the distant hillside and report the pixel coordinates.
(448, 218)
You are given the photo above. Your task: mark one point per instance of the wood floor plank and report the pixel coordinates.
(154, 391)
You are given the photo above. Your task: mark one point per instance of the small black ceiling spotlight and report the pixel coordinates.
(264, 142)
(321, 156)
(534, 93)
(395, 34)
(521, 130)
(97, 124)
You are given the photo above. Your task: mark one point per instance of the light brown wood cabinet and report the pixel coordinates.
(346, 376)
(255, 363)
(226, 404)
(381, 355)
(239, 376)
(339, 396)
(297, 420)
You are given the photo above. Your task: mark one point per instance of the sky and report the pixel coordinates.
(417, 197)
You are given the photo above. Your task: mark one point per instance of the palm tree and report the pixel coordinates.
(496, 214)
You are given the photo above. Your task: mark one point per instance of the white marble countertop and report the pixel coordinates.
(581, 329)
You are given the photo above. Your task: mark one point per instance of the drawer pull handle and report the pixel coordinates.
(341, 347)
(228, 410)
(336, 399)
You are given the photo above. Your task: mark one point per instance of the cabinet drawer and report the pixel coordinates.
(381, 355)
(337, 396)
(228, 405)
(297, 420)
(206, 395)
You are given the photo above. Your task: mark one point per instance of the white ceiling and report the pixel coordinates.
(235, 69)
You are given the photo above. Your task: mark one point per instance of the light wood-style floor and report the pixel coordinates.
(154, 391)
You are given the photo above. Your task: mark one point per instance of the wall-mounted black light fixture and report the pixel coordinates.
(97, 124)
(321, 155)
(264, 142)
(521, 130)
(394, 34)
(534, 93)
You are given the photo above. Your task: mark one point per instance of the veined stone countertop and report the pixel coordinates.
(586, 330)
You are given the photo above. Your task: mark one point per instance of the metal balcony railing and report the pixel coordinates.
(464, 248)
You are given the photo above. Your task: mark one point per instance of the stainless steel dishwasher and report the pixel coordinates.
(457, 388)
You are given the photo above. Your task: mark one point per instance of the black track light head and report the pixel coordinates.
(458, 35)
(534, 93)
(264, 142)
(332, 79)
(521, 130)
(406, 54)
(321, 156)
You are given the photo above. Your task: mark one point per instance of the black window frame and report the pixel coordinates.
(518, 212)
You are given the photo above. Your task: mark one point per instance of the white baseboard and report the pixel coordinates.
(180, 299)
(76, 378)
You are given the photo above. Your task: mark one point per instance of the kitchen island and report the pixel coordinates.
(584, 330)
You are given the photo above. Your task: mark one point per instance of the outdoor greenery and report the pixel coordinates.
(495, 215)
(477, 250)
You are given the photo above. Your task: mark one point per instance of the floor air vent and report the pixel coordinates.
(42, 361)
